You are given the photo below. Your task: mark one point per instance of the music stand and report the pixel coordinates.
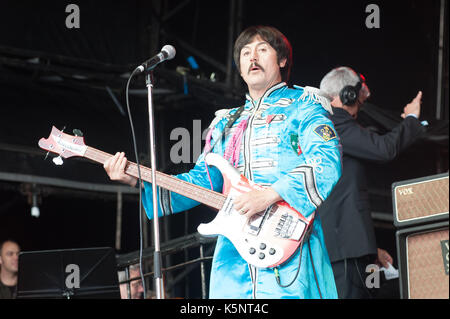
(68, 273)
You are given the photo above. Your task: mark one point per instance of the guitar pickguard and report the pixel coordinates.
(266, 239)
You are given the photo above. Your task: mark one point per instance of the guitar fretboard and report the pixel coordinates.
(205, 196)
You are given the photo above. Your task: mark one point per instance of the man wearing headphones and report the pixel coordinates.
(346, 221)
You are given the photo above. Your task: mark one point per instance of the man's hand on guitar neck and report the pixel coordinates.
(115, 168)
(256, 201)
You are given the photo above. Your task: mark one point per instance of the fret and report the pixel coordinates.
(173, 184)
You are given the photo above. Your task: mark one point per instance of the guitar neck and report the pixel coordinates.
(205, 196)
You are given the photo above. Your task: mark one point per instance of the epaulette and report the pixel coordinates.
(315, 95)
(220, 114)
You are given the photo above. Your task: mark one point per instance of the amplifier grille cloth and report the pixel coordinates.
(427, 198)
(426, 272)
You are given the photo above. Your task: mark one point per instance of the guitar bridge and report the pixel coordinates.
(256, 222)
(290, 228)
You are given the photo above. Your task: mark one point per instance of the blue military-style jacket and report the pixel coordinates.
(289, 144)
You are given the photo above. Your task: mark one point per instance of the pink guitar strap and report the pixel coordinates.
(233, 149)
(206, 151)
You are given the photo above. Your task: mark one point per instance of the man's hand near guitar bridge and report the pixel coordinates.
(255, 201)
(249, 203)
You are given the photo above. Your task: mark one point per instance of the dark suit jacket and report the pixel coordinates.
(345, 214)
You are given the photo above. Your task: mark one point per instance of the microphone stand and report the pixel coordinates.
(157, 254)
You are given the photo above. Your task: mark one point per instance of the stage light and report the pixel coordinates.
(35, 212)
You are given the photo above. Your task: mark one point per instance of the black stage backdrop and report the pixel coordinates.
(75, 78)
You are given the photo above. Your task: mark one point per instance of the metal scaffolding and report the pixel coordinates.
(29, 183)
(180, 244)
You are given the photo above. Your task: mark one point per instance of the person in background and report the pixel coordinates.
(9, 267)
(134, 289)
(346, 220)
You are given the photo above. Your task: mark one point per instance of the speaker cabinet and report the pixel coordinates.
(424, 261)
(420, 201)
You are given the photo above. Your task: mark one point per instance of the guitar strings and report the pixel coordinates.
(166, 181)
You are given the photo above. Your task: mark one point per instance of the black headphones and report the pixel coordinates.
(349, 94)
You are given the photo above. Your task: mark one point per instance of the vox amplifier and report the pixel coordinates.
(420, 201)
(423, 254)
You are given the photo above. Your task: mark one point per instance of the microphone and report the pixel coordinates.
(167, 53)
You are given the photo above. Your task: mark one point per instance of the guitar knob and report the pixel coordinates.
(58, 160)
(262, 246)
(252, 251)
(262, 256)
(272, 251)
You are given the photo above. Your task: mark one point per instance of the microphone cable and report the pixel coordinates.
(141, 240)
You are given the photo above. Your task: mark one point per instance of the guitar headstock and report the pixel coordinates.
(64, 144)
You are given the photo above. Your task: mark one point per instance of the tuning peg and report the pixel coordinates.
(58, 160)
(77, 132)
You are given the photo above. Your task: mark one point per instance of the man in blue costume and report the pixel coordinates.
(282, 140)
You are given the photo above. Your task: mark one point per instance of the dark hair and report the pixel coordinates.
(2, 243)
(271, 35)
